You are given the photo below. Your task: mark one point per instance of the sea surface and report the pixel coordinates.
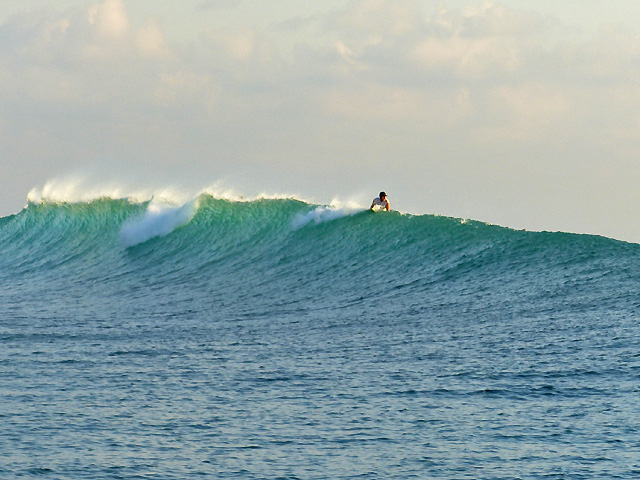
(278, 339)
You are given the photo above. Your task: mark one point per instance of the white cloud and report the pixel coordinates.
(110, 18)
(150, 39)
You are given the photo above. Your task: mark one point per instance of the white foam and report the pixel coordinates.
(222, 192)
(158, 220)
(79, 189)
(326, 213)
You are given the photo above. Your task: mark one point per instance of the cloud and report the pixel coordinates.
(109, 18)
(90, 61)
(372, 20)
(488, 72)
(150, 39)
(103, 32)
(521, 74)
(390, 61)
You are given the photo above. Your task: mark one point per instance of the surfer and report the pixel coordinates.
(380, 202)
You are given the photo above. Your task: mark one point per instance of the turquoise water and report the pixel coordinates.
(275, 339)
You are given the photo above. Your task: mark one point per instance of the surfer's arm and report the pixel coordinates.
(388, 206)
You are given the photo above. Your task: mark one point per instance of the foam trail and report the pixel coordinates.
(159, 219)
(325, 213)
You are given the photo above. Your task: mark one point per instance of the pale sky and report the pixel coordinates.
(520, 113)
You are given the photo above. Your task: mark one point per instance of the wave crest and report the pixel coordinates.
(326, 213)
(158, 220)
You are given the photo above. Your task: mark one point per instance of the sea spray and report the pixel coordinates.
(325, 213)
(158, 220)
(78, 190)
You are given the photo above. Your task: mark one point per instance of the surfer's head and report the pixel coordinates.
(382, 195)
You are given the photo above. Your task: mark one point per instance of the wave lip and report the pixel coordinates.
(158, 220)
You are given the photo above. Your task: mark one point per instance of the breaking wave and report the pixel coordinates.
(287, 251)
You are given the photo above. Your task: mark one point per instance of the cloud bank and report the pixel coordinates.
(487, 111)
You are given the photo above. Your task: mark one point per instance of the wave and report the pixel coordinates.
(287, 251)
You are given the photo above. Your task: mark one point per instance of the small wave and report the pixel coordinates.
(325, 213)
(158, 220)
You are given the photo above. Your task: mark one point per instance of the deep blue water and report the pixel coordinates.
(277, 339)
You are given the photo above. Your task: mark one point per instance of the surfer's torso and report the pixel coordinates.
(380, 204)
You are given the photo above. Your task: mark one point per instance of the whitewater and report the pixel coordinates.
(275, 338)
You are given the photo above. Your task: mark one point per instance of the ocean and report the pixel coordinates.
(279, 339)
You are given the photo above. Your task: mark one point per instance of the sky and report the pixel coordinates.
(520, 113)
